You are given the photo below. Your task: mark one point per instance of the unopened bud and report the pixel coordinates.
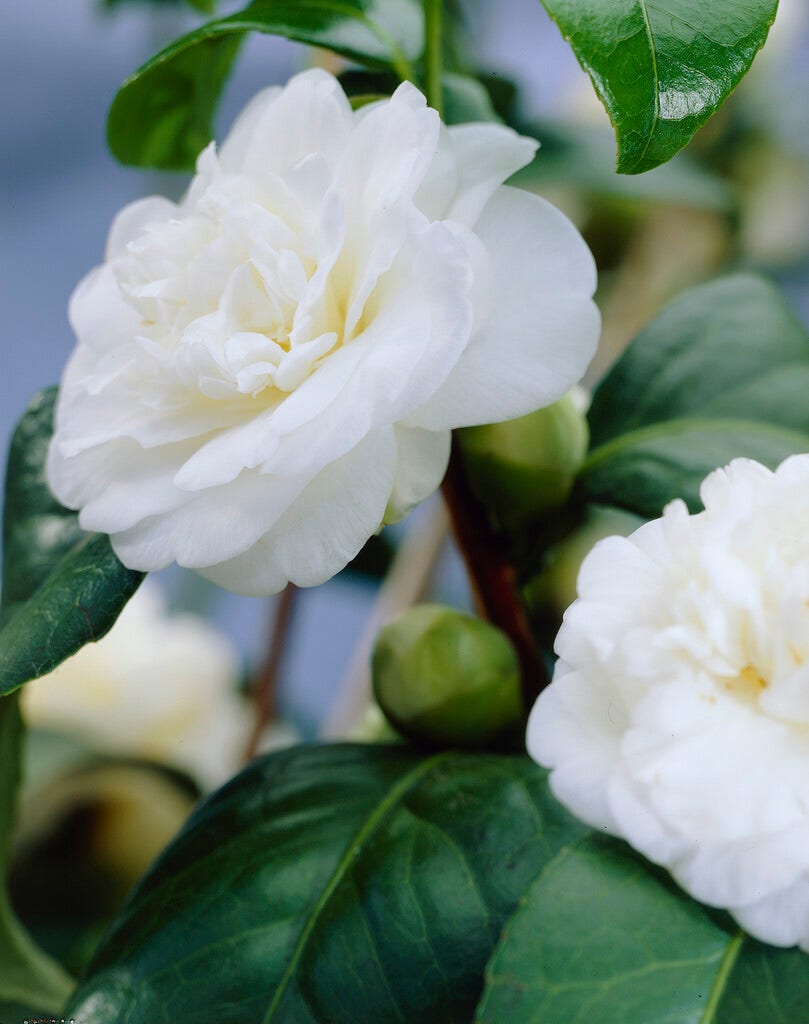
(521, 468)
(448, 679)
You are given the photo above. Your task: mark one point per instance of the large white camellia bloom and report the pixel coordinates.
(678, 717)
(268, 371)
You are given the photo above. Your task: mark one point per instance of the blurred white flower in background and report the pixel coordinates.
(678, 717)
(271, 369)
(160, 685)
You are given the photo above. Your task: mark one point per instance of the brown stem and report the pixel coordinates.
(265, 683)
(492, 575)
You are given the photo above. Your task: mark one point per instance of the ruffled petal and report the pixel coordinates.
(543, 327)
(324, 529)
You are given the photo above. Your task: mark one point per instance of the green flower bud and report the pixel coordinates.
(445, 678)
(522, 467)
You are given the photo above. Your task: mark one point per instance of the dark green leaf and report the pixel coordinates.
(604, 938)
(662, 67)
(162, 116)
(644, 469)
(62, 587)
(731, 349)
(723, 372)
(331, 885)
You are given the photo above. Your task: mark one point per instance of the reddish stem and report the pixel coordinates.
(266, 681)
(492, 575)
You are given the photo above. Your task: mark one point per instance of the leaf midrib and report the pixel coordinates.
(722, 977)
(374, 819)
(632, 438)
(655, 78)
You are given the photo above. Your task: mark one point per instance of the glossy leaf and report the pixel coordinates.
(162, 115)
(62, 587)
(662, 67)
(723, 372)
(331, 885)
(602, 937)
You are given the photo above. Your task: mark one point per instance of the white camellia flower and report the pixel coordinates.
(268, 371)
(678, 717)
(158, 685)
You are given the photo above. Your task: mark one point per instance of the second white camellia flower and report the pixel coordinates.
(678, 717)
(268, 371)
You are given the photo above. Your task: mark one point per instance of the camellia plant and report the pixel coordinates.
(362, 299)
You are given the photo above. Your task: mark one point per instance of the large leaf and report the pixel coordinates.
(604, 938)
(723, 372)
(162, 115)
(338, 885)
(662, 67)
(62, 587)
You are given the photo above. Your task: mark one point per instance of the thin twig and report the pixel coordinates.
(492, 575)
(434, 53)
(405, 584)
(266, 681)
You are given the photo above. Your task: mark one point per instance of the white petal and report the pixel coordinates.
(781, 918)
(130, 221)
(392, 147)
(483, 156)
(98, 313)
(214, 525)
(543, 329)
(402, 357)
(422, 459)
(574, 729)
(280, 129)
(324, 529)
(222, 459)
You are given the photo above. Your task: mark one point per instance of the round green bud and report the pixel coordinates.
(444, 678)
(520, 468)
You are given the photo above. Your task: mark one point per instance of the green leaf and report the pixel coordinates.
(204, 6)
(602, 937)
(662, 67)
(341, 884)
(643, 470)
(62, 587)
(162, 115)
(723, 372)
